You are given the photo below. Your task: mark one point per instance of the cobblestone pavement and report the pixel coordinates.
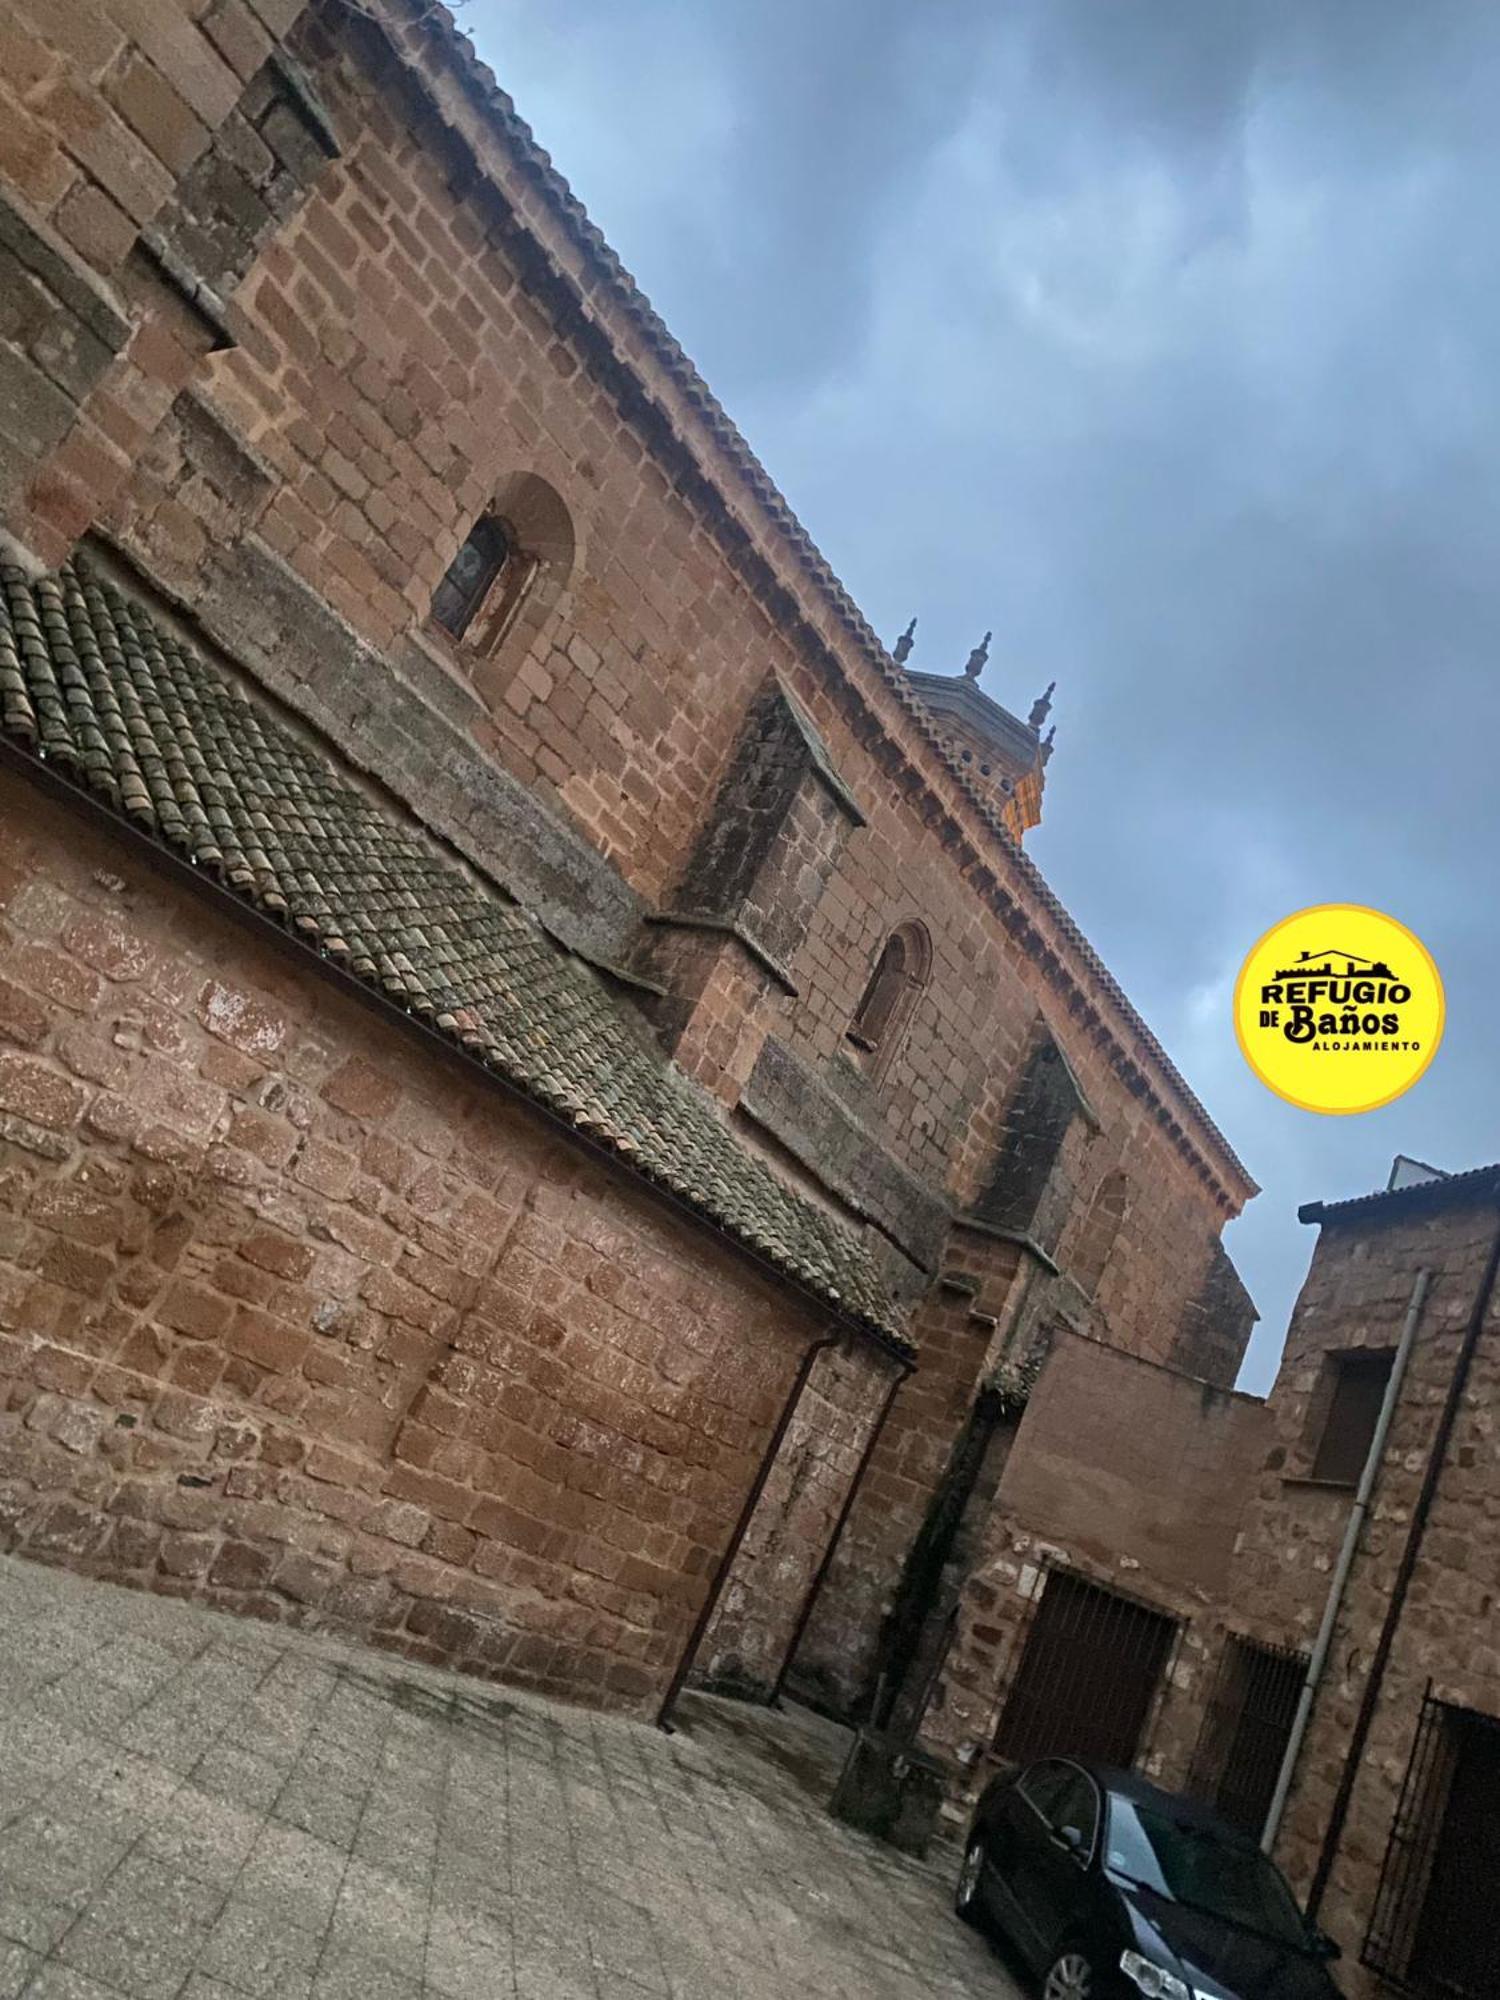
(193, 1807)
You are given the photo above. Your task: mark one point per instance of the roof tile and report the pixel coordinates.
(93, 683)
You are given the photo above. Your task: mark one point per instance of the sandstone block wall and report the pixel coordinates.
(403, 356)
(837, 1661)
(1134, 1477)
(1356, 1295)
(415, 326)
(794, 1522)
(298, 1319)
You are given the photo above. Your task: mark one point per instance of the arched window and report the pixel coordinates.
(486, 551)
(899, 976)
(510, 570)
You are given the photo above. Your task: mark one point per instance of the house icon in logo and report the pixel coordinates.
(1336, 965)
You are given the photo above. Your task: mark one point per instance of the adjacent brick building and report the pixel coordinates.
(524, 1022)
(1156, 1568)
(1392, 1823)
(1143, 1564)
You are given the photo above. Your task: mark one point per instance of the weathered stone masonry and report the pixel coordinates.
(299, 1320)
(1356, 1296)
(292, 301)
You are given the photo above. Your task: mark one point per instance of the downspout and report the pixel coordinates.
(732, 1548)
(814, 1588)
(1430, 1480)
(1352, 1532)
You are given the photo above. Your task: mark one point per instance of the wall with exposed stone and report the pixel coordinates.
(402, 354)
(300, 1319)
(1356, 1295)
(301, 300)
(795, 1521)
(1134, 1477)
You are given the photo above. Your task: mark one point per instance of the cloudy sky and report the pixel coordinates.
(1163, 336)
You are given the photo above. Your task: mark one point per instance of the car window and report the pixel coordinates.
(1193, 1864)
(1076, 1804)
(1043, 1784)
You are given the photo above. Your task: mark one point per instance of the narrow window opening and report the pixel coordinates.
(486, 551)
(1358, 1390)
(887, 982)
(894, 986)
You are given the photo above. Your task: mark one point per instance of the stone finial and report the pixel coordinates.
(977, 658)
(901, 651)
(1047, 742)
(1041, 708)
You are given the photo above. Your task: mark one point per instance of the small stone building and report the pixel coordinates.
(546, 1115)
(1092, 1585)
(1393, 1822)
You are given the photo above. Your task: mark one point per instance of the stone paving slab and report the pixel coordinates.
(193, 1807)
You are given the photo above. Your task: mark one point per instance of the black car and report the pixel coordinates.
(1111, 1888)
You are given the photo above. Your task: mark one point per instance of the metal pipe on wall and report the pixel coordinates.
(1352, 1532)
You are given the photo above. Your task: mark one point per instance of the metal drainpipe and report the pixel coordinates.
(1430, 1481)
(852, 1494)
(1352, 1532)
(732, 1548)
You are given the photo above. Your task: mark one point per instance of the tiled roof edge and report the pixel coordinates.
(31, 613)
(1450, 1189)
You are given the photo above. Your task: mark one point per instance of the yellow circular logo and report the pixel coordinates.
(1339, 1008)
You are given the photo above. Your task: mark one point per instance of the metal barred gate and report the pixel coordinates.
(1245, 1731)
(1088, 1674)
(1435, 1928)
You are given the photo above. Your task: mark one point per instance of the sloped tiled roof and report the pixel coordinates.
(1444, 1190)
(91, 681)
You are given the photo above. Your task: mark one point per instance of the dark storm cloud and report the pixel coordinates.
(1161, 337)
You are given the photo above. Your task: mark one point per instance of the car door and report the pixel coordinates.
(1019, 1827)
(1055, 1885)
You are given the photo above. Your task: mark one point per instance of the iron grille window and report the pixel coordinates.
(1353, 1409)
(1435, 1929)
(1245, 1730)
(1089, 1672)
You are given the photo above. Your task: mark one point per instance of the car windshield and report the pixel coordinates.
(1192, 1864)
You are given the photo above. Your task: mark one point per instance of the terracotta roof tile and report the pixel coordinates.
(1474, 1184)
(93, 683)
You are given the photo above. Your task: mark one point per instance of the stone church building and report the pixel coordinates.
(547, 1118)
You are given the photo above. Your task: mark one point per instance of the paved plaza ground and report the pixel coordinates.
(194, 1807)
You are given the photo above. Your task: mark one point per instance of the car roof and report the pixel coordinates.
(1140, 1791)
